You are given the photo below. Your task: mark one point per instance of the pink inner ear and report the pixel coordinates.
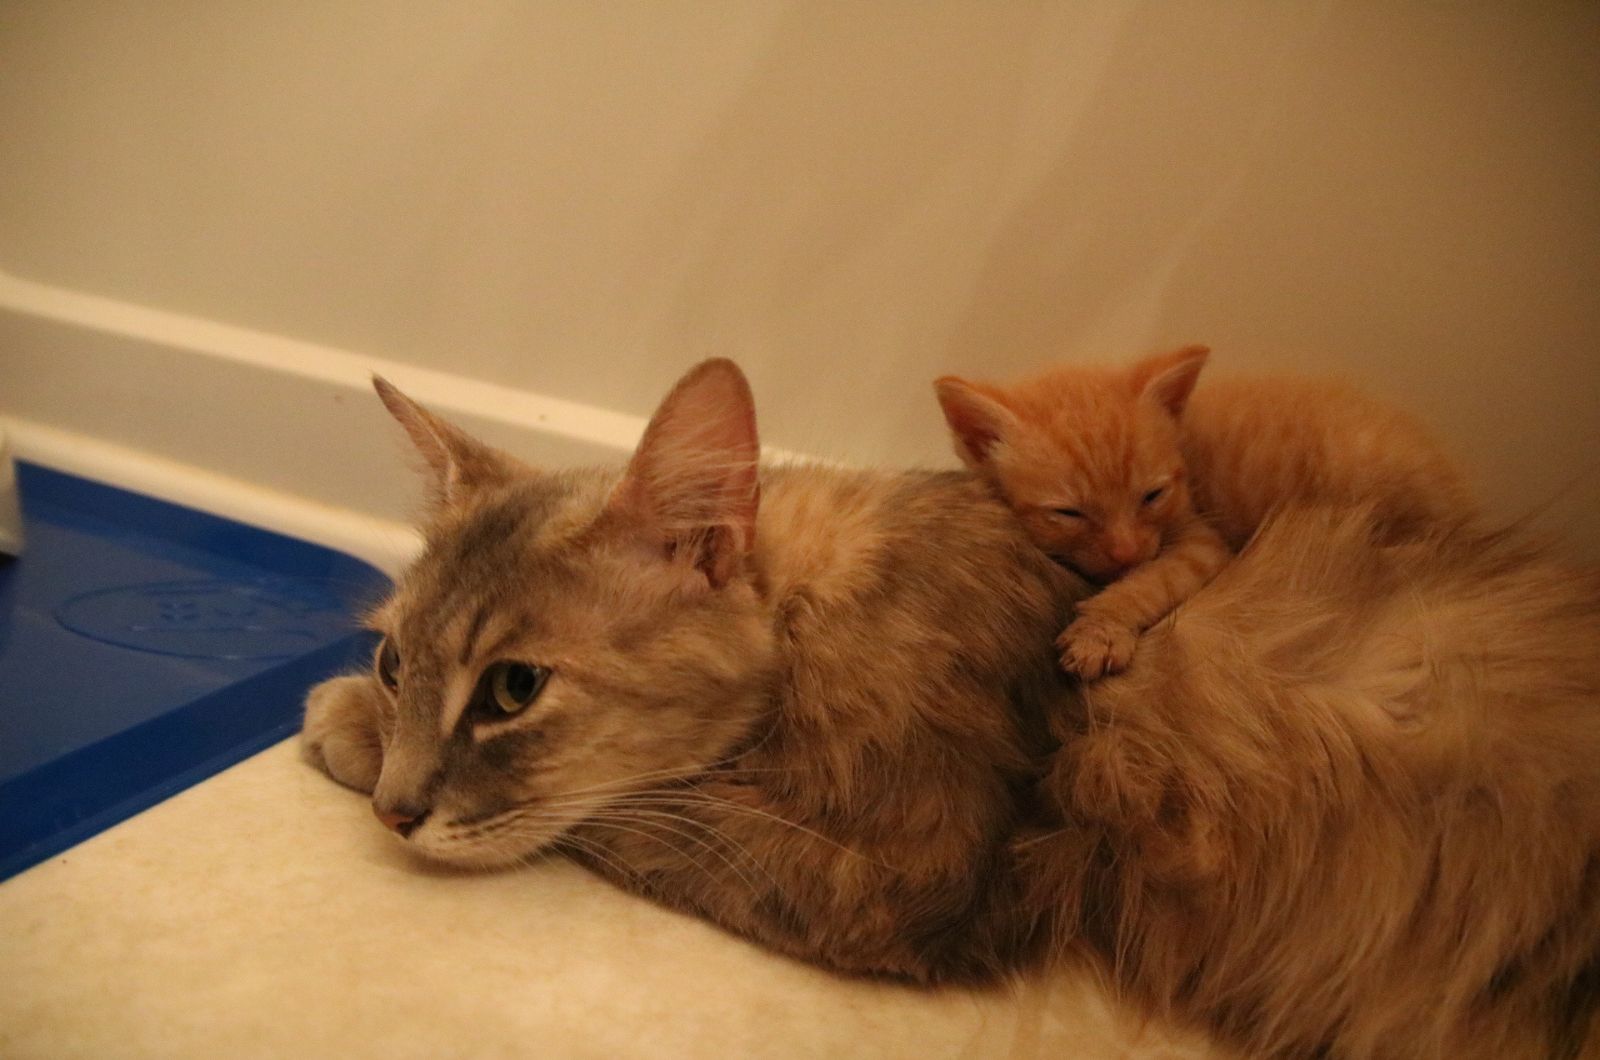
(1170, 378)
(692, 482)
(457, 463)
(974, 418)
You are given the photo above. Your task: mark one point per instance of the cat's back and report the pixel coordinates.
(915, 625)
(933, 547)
(914, 612)
(1253, 444)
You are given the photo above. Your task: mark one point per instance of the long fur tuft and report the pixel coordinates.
(1350, 797)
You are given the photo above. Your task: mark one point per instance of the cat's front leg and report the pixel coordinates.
(343, 731)
(1096, 645)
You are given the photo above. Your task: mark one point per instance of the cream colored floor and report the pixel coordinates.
(264, 913)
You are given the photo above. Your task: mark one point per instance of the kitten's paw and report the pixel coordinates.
(340, 735)
(1093, 647)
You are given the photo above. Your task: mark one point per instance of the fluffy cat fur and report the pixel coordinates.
(1346, 803)
(1142, 484)
(1349, 800)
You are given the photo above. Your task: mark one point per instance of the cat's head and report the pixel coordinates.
(566, 638)
(1087, 457)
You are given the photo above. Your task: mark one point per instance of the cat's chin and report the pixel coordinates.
(480, 859)
(493, 861)
(448, 846)
(1073, 568)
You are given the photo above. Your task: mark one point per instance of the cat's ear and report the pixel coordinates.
(1169, 378)
(978, 418)
(457, 463)
(691, 487)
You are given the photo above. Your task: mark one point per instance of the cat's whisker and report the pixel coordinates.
(768, 815)
(624, 782)
(594, 850)
(650, 783)
(642, 817)
(662, 775)
(530, 821)
(528, 827)
(679, 795)
(643, 834)
(520, 813)
(732, 843)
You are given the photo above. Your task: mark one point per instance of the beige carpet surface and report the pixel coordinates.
(265, 913)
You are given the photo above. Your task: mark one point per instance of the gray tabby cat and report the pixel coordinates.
(809, 719)
(1348, 800)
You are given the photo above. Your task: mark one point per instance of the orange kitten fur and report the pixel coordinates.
(1139, 483)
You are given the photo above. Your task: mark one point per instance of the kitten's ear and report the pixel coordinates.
(1169, 378)
(692, 485)
(457, 463)
(977, 415)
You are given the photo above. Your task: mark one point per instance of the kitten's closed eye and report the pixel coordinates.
(1069, 513)
(1154, 495)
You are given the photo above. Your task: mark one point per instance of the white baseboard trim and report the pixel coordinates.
(277, 432)
(386, 544)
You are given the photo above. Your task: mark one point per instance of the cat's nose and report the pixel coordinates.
(1124, 554)
(403, 821)
(1121, 546)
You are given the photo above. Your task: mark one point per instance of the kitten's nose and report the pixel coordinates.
(402, 821)
(1123, 553)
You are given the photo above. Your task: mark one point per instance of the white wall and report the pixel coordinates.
(579, 199)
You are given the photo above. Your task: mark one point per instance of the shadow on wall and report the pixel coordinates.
(851, 199)
(1168, 146)
(1391, 194)
(995, 207)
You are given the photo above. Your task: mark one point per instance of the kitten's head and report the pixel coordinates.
(565, 639)
(1087, 457)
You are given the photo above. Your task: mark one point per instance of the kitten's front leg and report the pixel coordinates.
(1102, 638)
(343, 732)
(1093, 646)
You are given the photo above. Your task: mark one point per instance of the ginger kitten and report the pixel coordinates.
(1141, 485)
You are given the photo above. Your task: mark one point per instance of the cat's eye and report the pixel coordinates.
(510, 686)
(389, 665)
(1154, 495)
(1070, 513)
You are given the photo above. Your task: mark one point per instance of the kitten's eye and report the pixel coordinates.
(513, 685)
(1069, 513)
(1154, 495)
(389, 665)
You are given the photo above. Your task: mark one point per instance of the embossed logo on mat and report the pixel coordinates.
(209, 619)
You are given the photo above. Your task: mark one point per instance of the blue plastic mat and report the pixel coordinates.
(145, 646)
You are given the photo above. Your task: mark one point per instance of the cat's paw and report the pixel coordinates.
(340, 735)
(1093, 647)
